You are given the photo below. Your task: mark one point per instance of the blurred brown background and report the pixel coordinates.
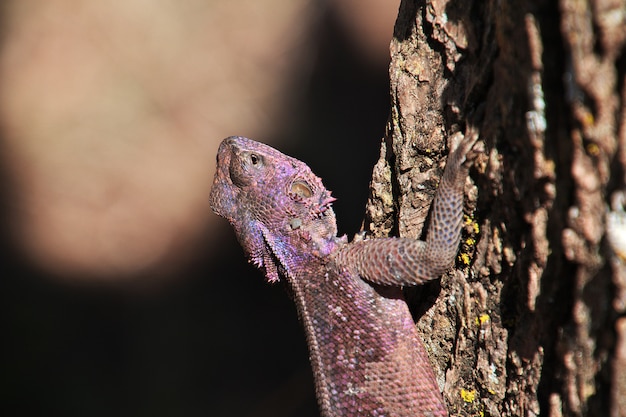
(122, 294)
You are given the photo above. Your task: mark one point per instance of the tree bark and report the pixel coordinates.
(532, 319)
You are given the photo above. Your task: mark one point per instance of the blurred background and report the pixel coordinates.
(121, 293)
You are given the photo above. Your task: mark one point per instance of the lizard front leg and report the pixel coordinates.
(400, 261)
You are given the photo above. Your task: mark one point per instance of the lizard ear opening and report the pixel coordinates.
(300, 190)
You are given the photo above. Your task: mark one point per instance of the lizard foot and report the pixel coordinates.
(465, 148)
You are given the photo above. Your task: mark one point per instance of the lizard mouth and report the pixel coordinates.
(221, 191)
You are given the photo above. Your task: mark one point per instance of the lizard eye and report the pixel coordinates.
(301, 189)
(255, 159)
(245, 167)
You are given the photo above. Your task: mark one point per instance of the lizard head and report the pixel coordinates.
(275, 203)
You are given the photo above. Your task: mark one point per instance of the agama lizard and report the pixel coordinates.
(367, 357)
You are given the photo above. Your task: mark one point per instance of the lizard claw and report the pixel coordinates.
(465, 148)
(477, 149)
(474, 146)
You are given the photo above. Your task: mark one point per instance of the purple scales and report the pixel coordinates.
(366, 354)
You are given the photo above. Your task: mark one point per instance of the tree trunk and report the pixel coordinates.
(531, 321)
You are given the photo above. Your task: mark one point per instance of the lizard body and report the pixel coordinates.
(366, 354)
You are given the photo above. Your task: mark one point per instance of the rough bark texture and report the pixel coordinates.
(532, 320)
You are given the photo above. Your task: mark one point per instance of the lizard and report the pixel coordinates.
(364, 348)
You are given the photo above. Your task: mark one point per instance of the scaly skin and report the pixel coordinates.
(367, 357)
